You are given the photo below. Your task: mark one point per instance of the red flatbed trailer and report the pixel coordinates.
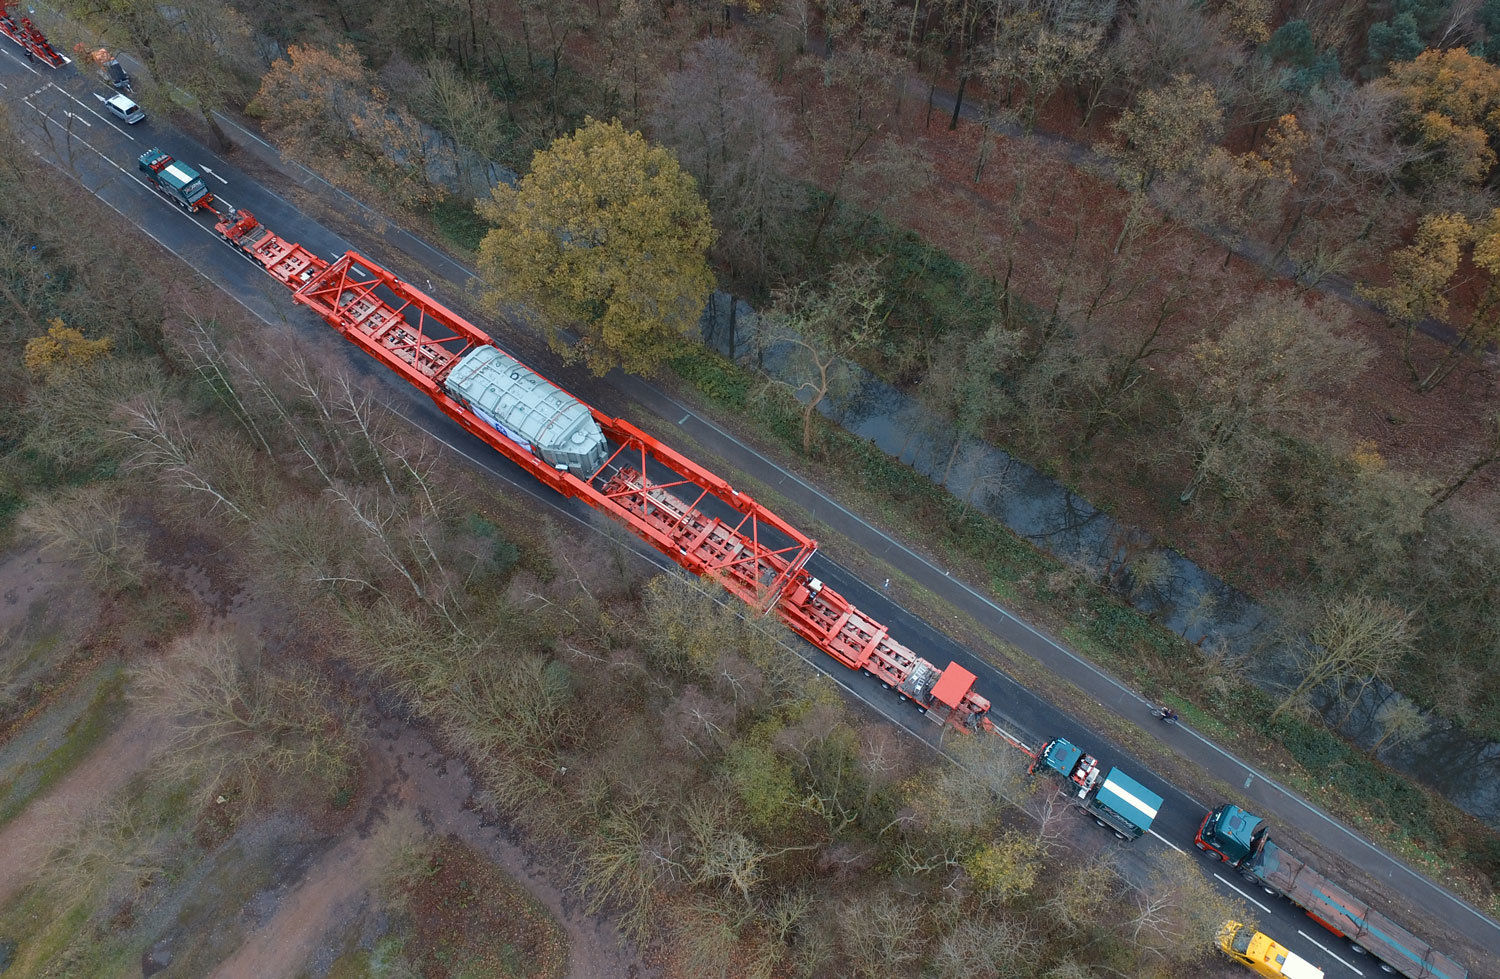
(32, 41)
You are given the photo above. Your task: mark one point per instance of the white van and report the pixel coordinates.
(124, 108)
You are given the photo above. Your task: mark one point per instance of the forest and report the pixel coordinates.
(1228, 268)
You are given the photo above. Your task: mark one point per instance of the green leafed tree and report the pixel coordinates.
(606, 236)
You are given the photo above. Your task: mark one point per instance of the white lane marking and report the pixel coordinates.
(1242, 894)
(214, 175)
(1328, 950)
(74, 115)
(92, 111)
(1166, 841)
(22, 63)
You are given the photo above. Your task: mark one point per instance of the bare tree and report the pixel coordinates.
(1180, 911)
(729, 130)
(1400, 720)
(1355, 639)
(87, 526)
(879, 933)
(1251, 382)
(823, 328)
(241, 731)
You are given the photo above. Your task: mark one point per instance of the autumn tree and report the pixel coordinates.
(1425, 272)
(1250, 384)
(729, 131)
(1166, 131)
(1375, 511)
(605, 234)
(1354, 639)
(62, 350)
(822, 327)
(1451, 102)
(326, 107)
(1344, 197)
(1005, 868)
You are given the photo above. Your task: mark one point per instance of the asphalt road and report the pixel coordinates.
(62, 121)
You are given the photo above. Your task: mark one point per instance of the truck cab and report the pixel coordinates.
(1263, 955)
(1233, 833)
(1060, 758)
(175, 180)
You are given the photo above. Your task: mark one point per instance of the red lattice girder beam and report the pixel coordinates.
(417, 337)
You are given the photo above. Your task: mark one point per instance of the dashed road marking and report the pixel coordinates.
(1242, 894)
(1329, 951)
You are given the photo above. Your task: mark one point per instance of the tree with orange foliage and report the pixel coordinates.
(325, 107)
(1452, 111)
(1423, 275)
(62, 350)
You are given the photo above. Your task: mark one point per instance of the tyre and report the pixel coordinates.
(1120, 836)
(1210, 854)
(1357, 948)
(1099, 822)
(1385, 968)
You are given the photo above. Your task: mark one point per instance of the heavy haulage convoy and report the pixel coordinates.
(680, 508)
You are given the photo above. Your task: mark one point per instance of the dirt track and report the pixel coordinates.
(27, 838)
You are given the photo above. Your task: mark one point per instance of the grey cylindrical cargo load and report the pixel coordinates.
(528, 409)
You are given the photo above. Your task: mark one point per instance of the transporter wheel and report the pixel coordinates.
(1358, 949)
(1120, 836)
(1099, 822)
(1386, 968)
(1210, 854)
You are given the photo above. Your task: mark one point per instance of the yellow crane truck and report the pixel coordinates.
(1263, 955)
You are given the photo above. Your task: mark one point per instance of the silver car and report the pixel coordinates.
(124, 109)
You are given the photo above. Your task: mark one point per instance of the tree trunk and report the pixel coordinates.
(221, 139)
(958, 100)
(1446, 493)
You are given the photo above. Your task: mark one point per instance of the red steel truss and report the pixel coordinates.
(32, 41)
(685, 511)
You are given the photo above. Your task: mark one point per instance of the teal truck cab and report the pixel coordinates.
(175, 180)
(1242, 840)
(1114, 800)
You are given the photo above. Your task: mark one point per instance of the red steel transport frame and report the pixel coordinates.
(32, 41)
(662, 496)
